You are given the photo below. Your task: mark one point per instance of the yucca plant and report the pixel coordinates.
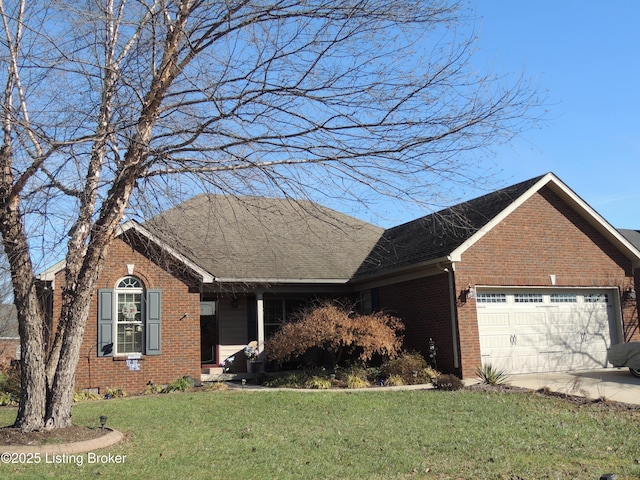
(490, 375)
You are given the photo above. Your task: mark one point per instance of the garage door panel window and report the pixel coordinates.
(491, 298)
(527, 298)
(564, 298)
(596, 298)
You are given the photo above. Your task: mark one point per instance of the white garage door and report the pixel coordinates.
(528, 331)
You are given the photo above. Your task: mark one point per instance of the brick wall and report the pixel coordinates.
(424, 307)
(542, 237)
(8, 349)
(180, 336)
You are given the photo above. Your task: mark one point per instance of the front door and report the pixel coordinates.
(208, 332)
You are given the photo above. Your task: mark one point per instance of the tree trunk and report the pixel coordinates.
(75, 314)
(31, 324)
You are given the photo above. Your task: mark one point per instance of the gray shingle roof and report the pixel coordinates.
(257, 238)
(632, 235)
(437, 235)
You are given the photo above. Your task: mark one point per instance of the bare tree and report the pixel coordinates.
(108, 101)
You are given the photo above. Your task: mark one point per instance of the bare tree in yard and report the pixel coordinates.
(108, 102)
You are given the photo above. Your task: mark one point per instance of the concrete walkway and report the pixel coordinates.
(616, 384)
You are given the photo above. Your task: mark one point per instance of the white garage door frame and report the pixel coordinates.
(546, 329)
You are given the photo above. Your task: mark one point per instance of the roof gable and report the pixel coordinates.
(447, 234)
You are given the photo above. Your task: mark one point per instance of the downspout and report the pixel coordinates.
(453, 310)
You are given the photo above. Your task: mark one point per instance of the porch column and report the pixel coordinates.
(260, 311)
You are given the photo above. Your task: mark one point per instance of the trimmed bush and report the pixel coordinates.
(394, 381)
(411, 367)
(318, 383)
(356, 382)
(447, 382)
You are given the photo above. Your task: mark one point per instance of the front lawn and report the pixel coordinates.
(355, 435)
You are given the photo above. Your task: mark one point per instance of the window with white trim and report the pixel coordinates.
(564, 298)
(527, 298)
(596, 298)
(129, 319)
(491, 298)
(129, 324)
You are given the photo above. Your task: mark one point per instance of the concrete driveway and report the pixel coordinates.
(615, 384)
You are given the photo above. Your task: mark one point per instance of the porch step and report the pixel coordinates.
(226, 377)
(211, 370)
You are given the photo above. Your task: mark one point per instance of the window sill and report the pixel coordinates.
(124, 358)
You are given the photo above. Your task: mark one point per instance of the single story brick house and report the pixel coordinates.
(528, 278)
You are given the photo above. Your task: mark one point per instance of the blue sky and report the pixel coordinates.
(587, 55)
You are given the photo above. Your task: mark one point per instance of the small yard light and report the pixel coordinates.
(103, 421)
(244, 382)
(609, 476)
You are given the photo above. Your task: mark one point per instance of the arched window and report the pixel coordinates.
(129, 318)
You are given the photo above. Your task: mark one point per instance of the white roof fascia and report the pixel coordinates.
(129, 224)
(593, 217)
(598, 221)
(338, 281)
(49, 273)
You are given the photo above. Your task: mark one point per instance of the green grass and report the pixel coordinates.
(355, 435)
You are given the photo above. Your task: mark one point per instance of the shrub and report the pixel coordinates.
(115, 393)
(85, 395)
(180, 385)
(7, 398)
(394, 381)
(217, 386)
(338, 331)
(317, 383)
(289, 380)
(490, 375)
(411, 367)
(10, 379)
(354, 381)
(358, 369)
(447, 382)
(153, 389)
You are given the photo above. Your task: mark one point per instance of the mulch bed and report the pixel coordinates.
(13, 436)
(574, 399)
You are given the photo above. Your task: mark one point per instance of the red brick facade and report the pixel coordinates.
(543, 243)
(424, 305)
(180, 335)
(8, 349)
(542, 237)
